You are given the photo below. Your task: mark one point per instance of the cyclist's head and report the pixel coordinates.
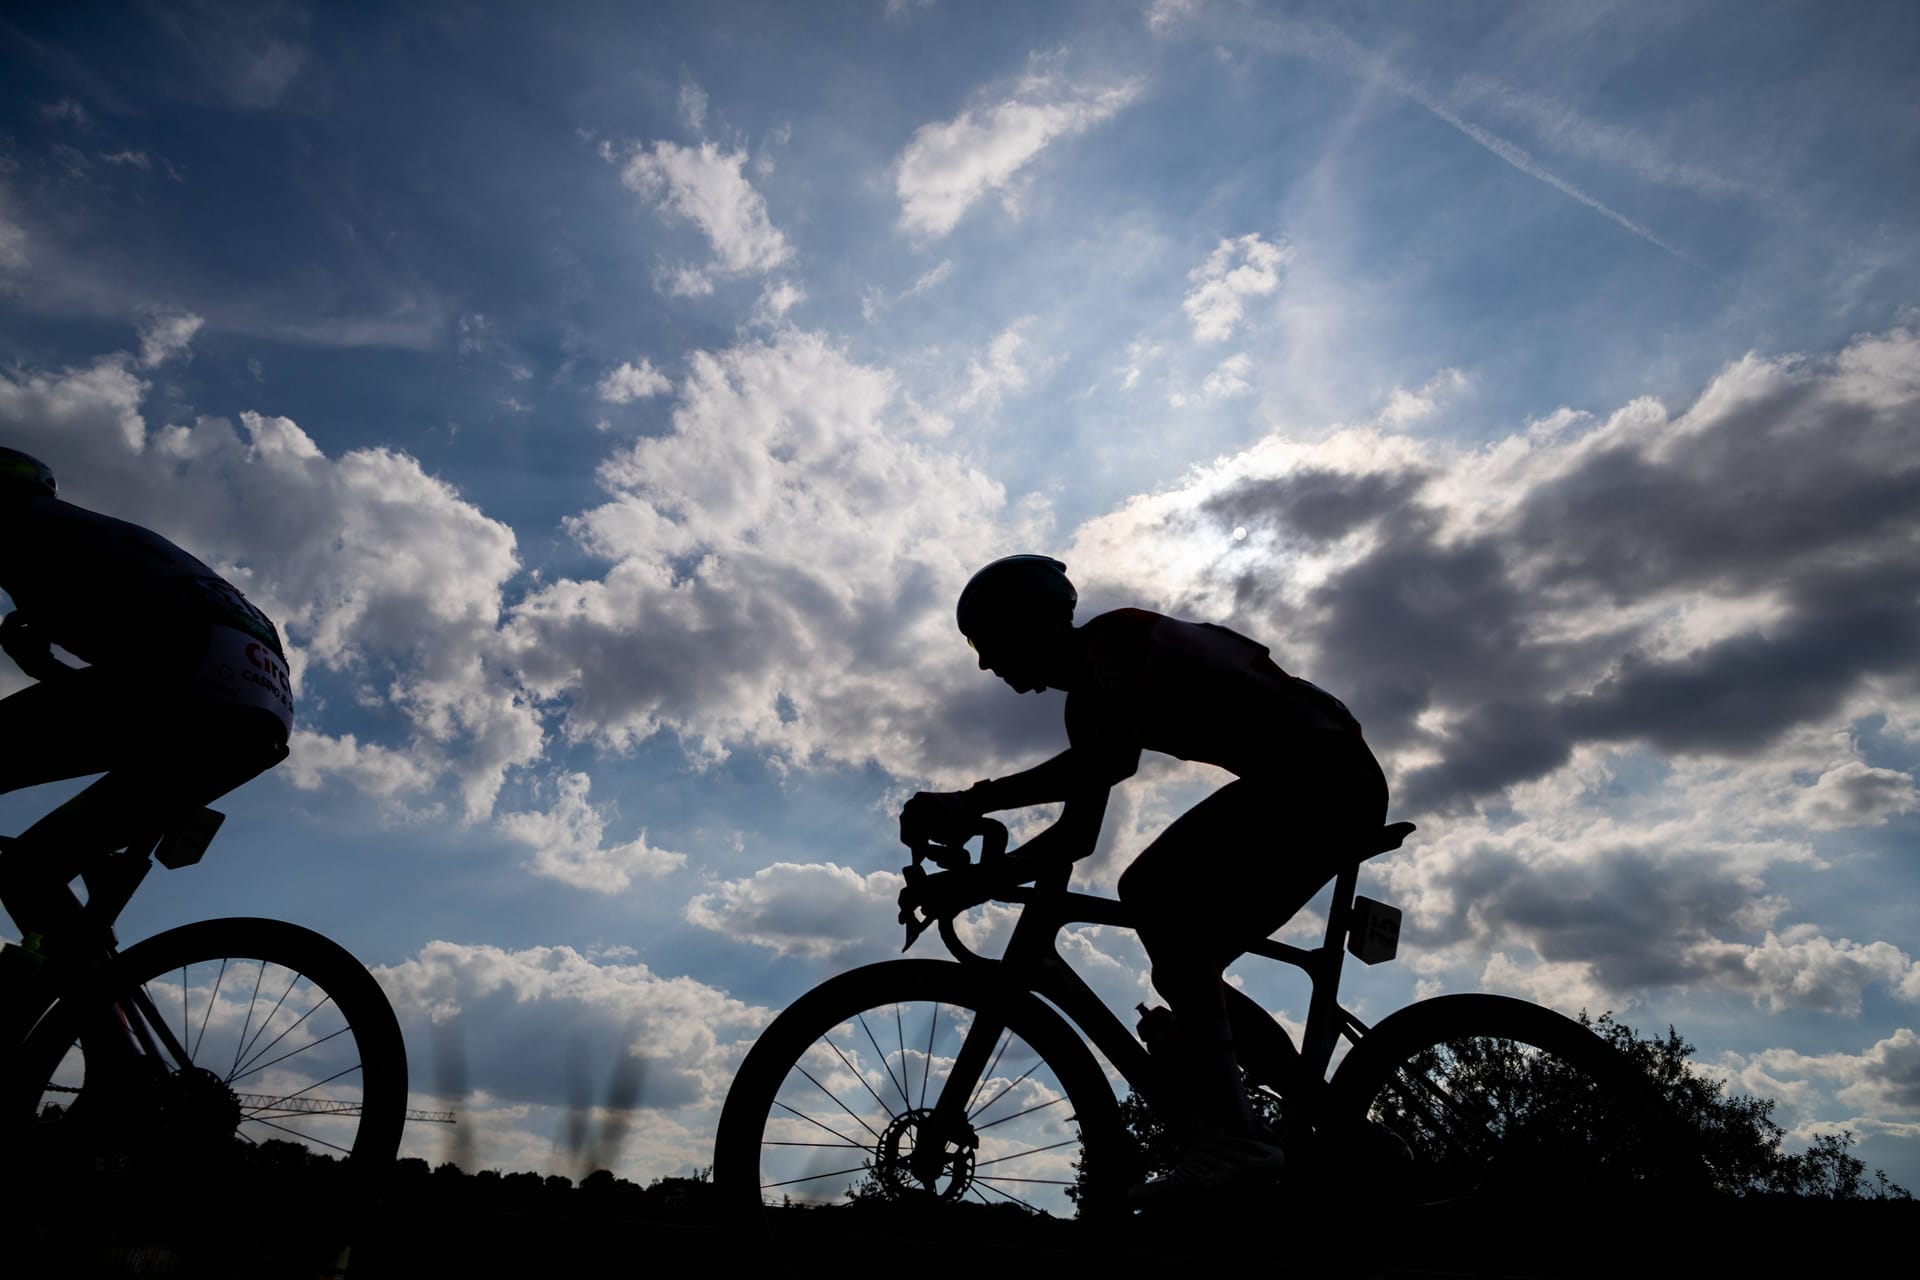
(23, 475)
(1014, 612)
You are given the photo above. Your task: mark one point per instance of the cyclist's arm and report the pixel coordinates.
(1066, 841)
(1075, 772)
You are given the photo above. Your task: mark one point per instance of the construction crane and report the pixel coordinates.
(254, 1104)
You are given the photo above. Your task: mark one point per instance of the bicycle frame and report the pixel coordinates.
(1032, 962)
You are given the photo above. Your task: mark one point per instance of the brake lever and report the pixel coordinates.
(948, 857)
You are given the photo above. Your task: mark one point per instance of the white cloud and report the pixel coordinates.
(567, 843)
(1405, 407)
(929, 279)
(779, 566)
(817, 910)
(1004, 367)
(948, 166)
(369, 565)
(166, 332)
(1236, 270)
(708, 188)
(1801, 969)
(1229, 378)
(523, 1014)
(1591, 631)
(628, 382)
(778, 298)
(379, 771)
(686, 282)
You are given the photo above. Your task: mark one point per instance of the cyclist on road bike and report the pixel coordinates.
(185, 696)
(1228, 872)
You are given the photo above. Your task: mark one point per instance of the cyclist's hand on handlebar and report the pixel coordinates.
(951, 892)
(941, 817)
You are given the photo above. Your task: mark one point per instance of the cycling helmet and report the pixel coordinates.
(1014, 593)
(22, 471)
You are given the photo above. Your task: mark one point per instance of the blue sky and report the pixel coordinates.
(609, 405)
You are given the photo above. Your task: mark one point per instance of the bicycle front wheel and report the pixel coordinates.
(1488, 1096)
(918, 1082)
(219, 1037)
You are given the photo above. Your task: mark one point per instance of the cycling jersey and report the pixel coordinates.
(1195, 691)
(130, 603)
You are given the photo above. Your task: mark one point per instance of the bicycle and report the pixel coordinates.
(160, 1062)
(942, 1082)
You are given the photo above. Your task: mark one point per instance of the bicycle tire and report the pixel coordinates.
(1491, 1097)
(316, 1057)
(830, 1082)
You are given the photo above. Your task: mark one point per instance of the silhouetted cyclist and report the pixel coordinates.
(185, 696)
(1231, 870)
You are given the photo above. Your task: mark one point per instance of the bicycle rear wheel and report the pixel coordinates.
(240, 1038)
(1491, 1097)
(841, 1099)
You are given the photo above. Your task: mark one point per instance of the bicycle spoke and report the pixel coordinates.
(813, 1177)
(274, 1013)
(239, 1044)
(304, 1137)
(1005, 1195)
(268, 1048)
(835, 1099)
(1038, 1106)
(1011, 1086)
(1031, 1151)
(193, 1053)
(926, 1063)
(1006, 1038)
(284, 1098)
(857, 1075)
(881, 1054)
(253, 1069)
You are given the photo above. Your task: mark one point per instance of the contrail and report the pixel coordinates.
(1326, 44)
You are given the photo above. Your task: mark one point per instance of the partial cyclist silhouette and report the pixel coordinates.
(184, 697)
(1225, 874)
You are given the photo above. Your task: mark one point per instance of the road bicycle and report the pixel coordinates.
(974, 1080)
(195, 1048)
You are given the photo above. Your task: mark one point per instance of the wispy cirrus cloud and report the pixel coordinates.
(947, 166)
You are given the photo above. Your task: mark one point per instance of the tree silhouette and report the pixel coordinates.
(1545, 1116)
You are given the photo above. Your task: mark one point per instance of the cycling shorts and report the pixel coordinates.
(239, 670)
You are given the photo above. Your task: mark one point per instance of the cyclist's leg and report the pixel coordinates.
(172, 758)
(53, 731)
(1233, 869)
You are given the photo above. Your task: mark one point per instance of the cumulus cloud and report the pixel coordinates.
(817, 910)
(371, 566)
(629, 381)
(949, 165)
(781, 564)
(1856, 795)
(1687, 606)
(1697, 582)
(685, 1037)
(708, 187)
(567, 840)
(1236, 270)
(1883, 1081)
